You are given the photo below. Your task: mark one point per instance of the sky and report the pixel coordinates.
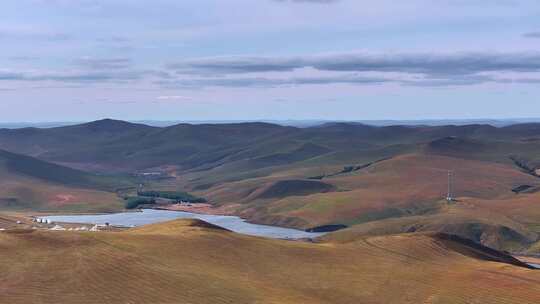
(81, 60)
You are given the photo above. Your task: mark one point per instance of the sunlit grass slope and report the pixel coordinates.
(185, 261)
(406, 185)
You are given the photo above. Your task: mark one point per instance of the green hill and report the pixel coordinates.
(15, 164)
(110, 145)
(29, 183)
(332, 174)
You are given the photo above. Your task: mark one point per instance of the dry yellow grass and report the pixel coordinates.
(182, 262)
(483, 225)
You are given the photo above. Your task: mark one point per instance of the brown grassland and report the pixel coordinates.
(403, 194)
(186, 261)
(24, 193)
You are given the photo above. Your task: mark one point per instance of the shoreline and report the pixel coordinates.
(230, 222)
(200, 208)
(532, 260)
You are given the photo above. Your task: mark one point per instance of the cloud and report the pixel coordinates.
(173, 97)
(109, 100)
(532, 35)
(71, 76)
(33, 34)
(85, 70)
(233, 65)
(116, 42)
(449, 81)
(113, 39)
(463, 63)
(103, 63)
(264, 82)
(408, 69)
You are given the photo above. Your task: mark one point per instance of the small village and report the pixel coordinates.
(39, 223)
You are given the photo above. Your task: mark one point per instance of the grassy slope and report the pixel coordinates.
(29, 183)
(405, 183)
(84, 145)
(117, 145)
(482, 226)
(16, 164)
(231, 164)
(180, 262)
(409, 189)
(534, 249)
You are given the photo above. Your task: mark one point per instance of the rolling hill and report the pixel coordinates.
(117, 145)
(402, 186)
(27, 183)
(107, 145)
(187, 261)
(332, 174)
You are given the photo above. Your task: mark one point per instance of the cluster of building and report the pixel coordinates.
(58, 227)
(83, 228)
(42, 221)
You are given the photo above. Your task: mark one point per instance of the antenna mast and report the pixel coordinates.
(449, 196)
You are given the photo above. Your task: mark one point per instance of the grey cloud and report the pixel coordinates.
(103, 63)
(6, 75)
(526, 80)
(88, 70)
(351, 79)
(70, 76)
(33, 35)
(461, 63)
(263, 82)
(88, 77)
(422, 63)
(449, 81)
(465, 80)
(344, 79)
(532, 35)
(233, 65)
(420, 69)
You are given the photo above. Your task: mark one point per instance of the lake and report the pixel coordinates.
(150, 216)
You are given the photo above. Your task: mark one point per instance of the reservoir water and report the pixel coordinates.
(150, 216)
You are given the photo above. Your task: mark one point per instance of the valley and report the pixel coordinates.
(346, 174)
(269, 152)
(377, 193)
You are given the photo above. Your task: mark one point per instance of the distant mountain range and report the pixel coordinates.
(118, 146)
(294, 123)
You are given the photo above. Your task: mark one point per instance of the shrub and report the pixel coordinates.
(134, 202)
(173, 195)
